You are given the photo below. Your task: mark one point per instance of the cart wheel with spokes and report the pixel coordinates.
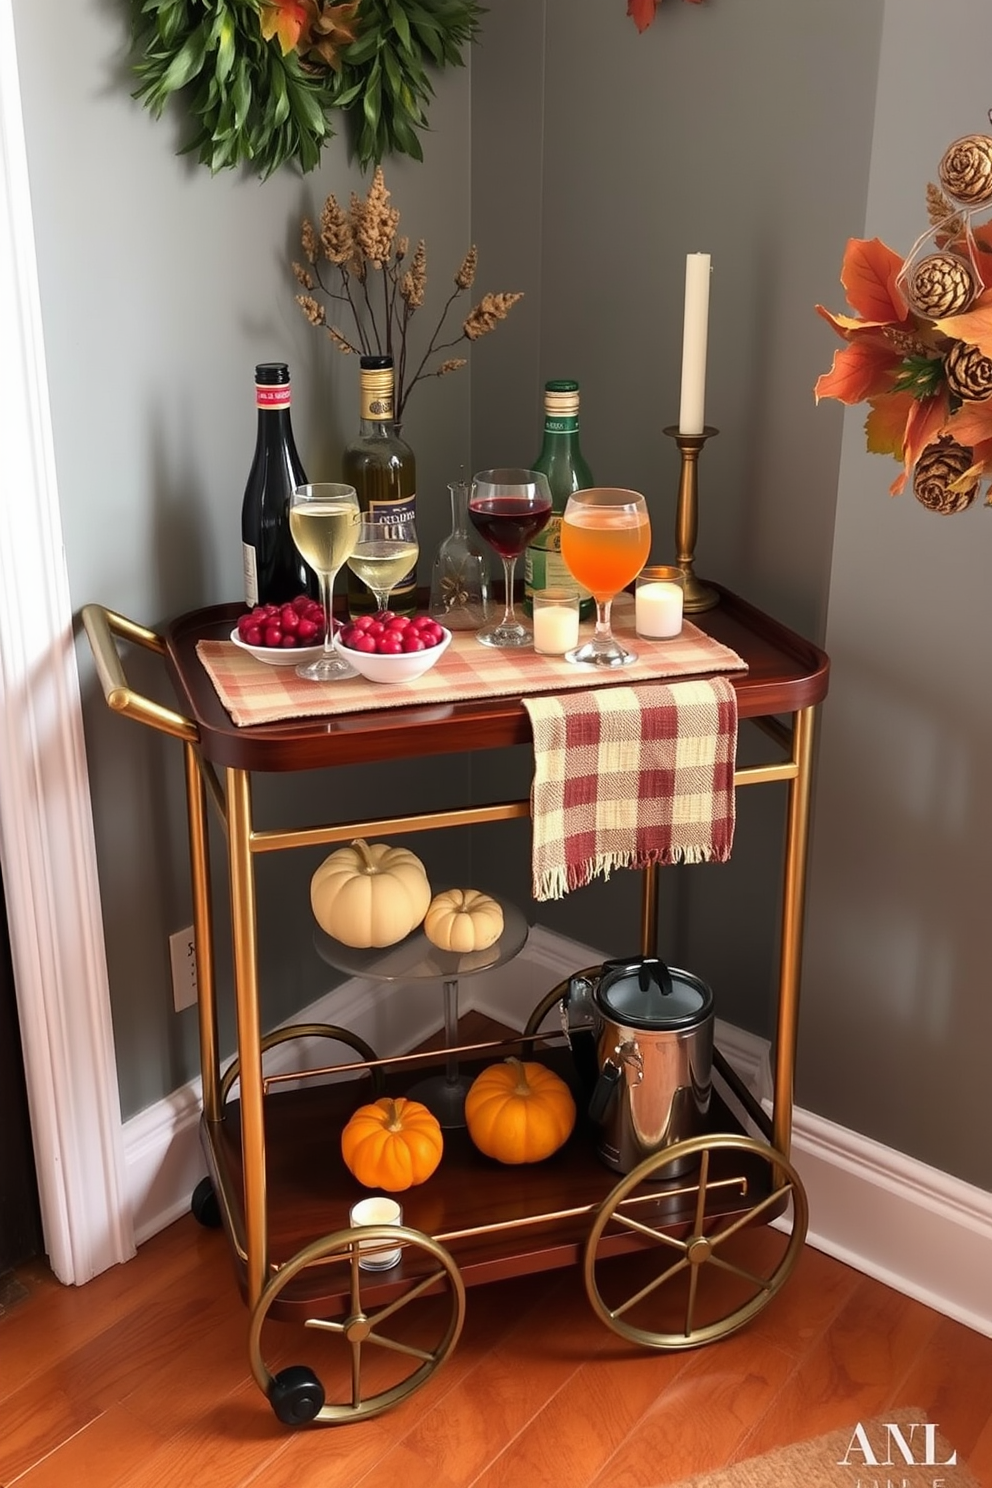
(674, 1262)
(387, 1351)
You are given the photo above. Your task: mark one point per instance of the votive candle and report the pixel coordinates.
(695, 326)
(658, 609)
(377, 1210)
(556, 624)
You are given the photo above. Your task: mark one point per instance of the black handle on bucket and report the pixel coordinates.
(648, 969)
(604, 1091)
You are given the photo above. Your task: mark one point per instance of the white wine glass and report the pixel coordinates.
(386, 551)
(605, 538)
(324, 520)
(509, 507)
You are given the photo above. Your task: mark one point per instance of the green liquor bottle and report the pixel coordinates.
(562, 461)
(382, 468)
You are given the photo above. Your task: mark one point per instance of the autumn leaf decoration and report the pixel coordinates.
(642, 12)
(919, 345)
(318, 31)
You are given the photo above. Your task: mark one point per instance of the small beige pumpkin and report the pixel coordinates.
(463, 920)
(370, 894)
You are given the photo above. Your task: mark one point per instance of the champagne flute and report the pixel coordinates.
(384, 554)
(324, 520)
(605, 538)
(509, 507)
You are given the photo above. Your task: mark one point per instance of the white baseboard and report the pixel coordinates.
(918, 1230)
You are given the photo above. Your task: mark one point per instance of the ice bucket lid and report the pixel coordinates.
(645, 993)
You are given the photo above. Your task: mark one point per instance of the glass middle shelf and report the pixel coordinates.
(417, 959)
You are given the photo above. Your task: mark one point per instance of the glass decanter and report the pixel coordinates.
(459, 596)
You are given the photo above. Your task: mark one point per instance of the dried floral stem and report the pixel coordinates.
(361, 241)
(434, 345)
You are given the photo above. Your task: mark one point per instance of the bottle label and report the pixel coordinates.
(404, 510)
(251, 575)
(272, 395)
(561, 423)
(544, 567)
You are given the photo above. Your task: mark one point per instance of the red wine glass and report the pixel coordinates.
(508, 507)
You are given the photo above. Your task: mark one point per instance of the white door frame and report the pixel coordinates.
(47, 846)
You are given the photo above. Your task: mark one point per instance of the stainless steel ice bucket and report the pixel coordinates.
(654, 1052)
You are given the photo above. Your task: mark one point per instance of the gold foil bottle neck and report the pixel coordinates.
(561, 403)
(377, 393)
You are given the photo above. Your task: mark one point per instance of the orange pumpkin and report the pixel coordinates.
(519, 1112)
(392, 1144)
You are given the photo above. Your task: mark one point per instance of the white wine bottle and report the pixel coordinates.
(383, 470)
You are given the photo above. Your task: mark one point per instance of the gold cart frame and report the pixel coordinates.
(786, 680)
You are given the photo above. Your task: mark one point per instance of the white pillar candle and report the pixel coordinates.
(556, 629)
(694, 330)
(658, 609)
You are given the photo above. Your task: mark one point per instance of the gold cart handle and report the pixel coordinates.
(101, 626)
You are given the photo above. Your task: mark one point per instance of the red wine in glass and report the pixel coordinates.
(509, 507)
(509, 523)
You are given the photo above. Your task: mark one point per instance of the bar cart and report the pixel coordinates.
(671, 1259)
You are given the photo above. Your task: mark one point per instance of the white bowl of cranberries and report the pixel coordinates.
(392, 648)
(282, 634)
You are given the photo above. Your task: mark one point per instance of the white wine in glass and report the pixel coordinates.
(386, 551)
(324, 521)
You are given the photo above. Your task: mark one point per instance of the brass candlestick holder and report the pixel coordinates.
(698, 596)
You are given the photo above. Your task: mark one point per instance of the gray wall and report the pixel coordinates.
(898, 1013)
(767, 134)
(585, 160)
(161, 288)
(596, 192)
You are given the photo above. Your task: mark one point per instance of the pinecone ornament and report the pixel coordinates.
(941, 284)
(940, 464)
(966, 170)
(968, 372)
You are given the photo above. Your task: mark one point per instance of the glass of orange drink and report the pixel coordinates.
(605, 539)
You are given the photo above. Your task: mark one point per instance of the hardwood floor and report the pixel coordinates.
(141, 1378)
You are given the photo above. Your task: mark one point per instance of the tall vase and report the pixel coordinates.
(459, 596)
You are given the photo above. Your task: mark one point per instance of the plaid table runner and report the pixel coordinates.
(254, 692)
(628, 776)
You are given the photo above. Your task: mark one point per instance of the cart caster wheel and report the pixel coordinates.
(378, 1353)
(204, 1205)
(676, 1259)
(296, 1395)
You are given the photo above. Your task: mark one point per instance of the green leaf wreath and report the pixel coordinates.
(262, 78)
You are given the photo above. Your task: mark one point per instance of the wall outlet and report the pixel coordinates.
(182, 953)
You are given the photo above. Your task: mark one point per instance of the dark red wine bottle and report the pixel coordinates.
(274, 570)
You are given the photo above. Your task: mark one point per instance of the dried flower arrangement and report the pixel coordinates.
(642, 12)
(353, 246)
(920, 345)
(261, 78)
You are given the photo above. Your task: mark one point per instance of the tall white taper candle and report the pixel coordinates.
(694, 329)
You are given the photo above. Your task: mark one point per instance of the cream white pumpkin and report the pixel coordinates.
(463, 920)
(370, 894)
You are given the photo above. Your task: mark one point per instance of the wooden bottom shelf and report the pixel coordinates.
(496, 1221)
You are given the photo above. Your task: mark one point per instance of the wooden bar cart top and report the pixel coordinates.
(785, 673)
